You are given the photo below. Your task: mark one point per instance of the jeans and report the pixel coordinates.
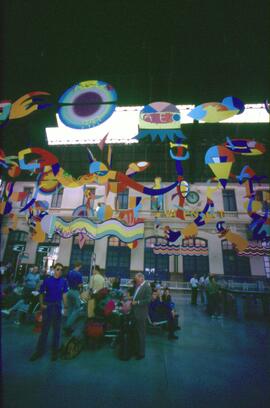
(51, 316)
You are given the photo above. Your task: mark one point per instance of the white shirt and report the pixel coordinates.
(194, 282)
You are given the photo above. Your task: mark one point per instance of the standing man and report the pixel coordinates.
(194, 289)
(140, 302)
(97, 282)
(75, 284)
(52, 292)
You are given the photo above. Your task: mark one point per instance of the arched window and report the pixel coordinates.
(195, 263)
(233, 264)
(82, 255)
(118, 258)
(156, 266)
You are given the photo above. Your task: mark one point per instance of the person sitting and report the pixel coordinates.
(159, 311)
(31, 287)
(28, 300)
(167, 299)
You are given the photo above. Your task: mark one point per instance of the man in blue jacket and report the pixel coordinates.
(52, 292)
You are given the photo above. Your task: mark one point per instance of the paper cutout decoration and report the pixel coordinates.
(22, 107)
(159, 120)
(266, 105)
(92, 230)
(87, 104)
(46, 161)
(6, 161)
(134, 168)
(101, 144)
(220, 160)
(238, 242)
(179, 156)
(213, 112)
(184, 188)
(104, 212)
(177, 250)
(133, 245)
(192, 197)
(260, 225)
(255, 249)
(170, 235)
(131, 215)
(245, 146)
(82, 239)
(5, 107)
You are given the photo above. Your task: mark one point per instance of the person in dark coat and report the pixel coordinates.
(140, 302)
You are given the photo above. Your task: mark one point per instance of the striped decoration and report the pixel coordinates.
(255, 249)
(179, 250)
(81, 225)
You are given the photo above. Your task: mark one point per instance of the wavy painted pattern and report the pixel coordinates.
(67, 229)
(255, 250)
(178, 250)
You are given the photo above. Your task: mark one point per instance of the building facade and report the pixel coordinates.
(116, 258)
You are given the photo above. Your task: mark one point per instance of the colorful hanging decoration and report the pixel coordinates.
(220, 160)
(245, 146)
(170, 235)
(159, 120)
(255, 249)
(22, 107)
(177, 250)
(87, 104)
(213, 112)
(82, 106)
(238, 242)
(67, 229)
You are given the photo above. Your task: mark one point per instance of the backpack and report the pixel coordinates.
(71, 348)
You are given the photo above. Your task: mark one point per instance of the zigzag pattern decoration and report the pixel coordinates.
(255, 250)
(179, 250)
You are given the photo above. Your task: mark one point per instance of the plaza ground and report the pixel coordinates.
(214, 363)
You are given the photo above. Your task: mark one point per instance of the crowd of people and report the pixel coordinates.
(210, 295)
(64, 298)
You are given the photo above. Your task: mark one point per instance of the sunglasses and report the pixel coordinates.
(59, 269)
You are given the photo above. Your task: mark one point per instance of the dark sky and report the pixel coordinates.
(190, 51)
(185, 51)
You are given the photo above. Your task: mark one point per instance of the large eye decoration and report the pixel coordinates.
(87, 104)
